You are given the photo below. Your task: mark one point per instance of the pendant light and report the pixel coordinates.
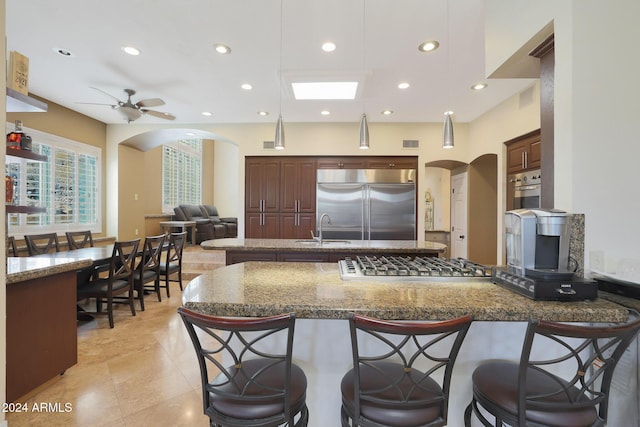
(447, 133)
(279, 139)
(364, 126)
(364, 133)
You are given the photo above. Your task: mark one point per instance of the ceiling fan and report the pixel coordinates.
(133, 111)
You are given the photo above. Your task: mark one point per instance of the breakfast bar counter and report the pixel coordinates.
(321, 302)
(316, 291)
(309, 250)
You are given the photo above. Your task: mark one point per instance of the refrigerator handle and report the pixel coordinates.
(366, 218)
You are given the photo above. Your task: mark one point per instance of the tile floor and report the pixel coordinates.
(143, 372)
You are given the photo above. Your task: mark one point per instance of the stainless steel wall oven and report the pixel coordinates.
(524, 190)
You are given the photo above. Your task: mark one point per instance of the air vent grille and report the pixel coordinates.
(268, 145)
(410, 143)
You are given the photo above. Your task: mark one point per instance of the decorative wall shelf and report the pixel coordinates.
(25, 154)
(20, 103)
(24, 209)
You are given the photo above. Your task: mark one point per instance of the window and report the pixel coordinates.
(67, 185)
(181, 174)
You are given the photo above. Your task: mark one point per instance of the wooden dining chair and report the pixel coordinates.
(79, 239)
(148, 269)
(118, 282)
(246, 380)
(11, 248)
(172, 265)
(562, 379)
(401, 371)
(38, 244)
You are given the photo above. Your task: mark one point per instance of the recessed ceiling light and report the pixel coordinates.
(246, 86)
(324, 90)
(325, 112)
(329, 46)
(479, 86)
(387, 112)
(403, 85)
(222, 48)
(428, 46)
(130, 50)
(263, 113)
(207, 113)
(63, 52)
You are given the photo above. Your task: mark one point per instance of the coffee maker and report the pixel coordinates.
(538, 262)
(537, 242)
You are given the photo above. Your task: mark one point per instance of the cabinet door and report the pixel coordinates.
(297, 226)
(341, 163)
(298, 185)
(262, 226)
(262, 184)
(535, 155)
(392, 163)
(515, 157)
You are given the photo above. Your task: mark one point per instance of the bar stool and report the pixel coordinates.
(245, 382)
(531, 393)
(392, 382)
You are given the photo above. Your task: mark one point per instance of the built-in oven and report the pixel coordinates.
(524, 190)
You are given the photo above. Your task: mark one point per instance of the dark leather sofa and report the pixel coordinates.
(230, 223)
(207, 228)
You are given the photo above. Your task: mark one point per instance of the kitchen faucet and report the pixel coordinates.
(322, 217)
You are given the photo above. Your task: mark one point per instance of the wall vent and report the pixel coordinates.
(410, 143)
(268, 145)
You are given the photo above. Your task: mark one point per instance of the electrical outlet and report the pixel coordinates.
(135, 196)
(136, 231)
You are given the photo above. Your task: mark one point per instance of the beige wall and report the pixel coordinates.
(3, 268)
(131, 195)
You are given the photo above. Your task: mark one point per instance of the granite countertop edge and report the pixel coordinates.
(300, 245)
(36, 272)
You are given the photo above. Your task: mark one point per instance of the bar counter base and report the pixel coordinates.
(42, 338)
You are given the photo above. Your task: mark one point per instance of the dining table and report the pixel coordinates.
(99, 255)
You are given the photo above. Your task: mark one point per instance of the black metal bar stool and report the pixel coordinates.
(390, 386)
(531, 393)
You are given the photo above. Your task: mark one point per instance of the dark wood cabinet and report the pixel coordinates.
(346, 162)
(260, 225)
(524, 153)
(280, 191)
(391, 163)
(297, 225)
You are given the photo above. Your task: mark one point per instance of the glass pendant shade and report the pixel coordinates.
(279, 141)
(447, 134)
(364, 133)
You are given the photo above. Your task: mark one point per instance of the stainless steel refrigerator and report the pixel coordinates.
(367, 204)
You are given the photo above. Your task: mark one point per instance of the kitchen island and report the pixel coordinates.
(41, 320)
(301, 250)
(322, 301)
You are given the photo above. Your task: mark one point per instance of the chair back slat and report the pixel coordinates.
(79, 239)
(123, 259)
(175, 247)
(38, 244)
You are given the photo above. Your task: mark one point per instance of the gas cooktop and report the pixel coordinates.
(405, 268)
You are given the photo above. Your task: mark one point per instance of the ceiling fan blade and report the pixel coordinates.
(159, 114)
(98, 103)
(151, 102)
(106, 93)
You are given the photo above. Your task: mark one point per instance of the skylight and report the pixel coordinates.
(324, 90)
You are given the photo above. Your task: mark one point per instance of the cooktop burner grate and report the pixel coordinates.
(368, 267)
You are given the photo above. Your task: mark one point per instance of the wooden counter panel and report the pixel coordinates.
(41, 331)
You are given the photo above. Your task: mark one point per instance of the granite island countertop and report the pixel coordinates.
(20, 269)
(315, 291)
(330, 245)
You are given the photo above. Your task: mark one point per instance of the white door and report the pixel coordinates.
(459, 215)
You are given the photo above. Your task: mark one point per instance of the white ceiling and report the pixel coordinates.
(178, 62)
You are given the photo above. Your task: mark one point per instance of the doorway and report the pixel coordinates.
(459, 239)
